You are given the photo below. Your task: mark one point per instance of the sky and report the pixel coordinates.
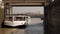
(17, 10)
(0, 0)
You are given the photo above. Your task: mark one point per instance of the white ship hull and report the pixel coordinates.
(15, 23)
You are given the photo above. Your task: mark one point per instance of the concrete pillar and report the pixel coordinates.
(1, 15)
(52, 18)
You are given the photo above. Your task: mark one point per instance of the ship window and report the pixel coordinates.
(19, 18)
(8, 18)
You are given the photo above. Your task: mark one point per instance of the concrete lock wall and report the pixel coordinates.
(1, 15)
(47, 21)
(52, 18)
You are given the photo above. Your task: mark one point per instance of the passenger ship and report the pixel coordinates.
(17, 20)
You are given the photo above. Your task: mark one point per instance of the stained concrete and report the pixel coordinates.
(1, 15)
(52, 16)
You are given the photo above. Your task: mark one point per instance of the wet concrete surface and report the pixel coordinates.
(35, 27)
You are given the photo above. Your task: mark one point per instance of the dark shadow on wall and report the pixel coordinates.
(52, 18)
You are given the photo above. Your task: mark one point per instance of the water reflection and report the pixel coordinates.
(12, 31)
(31, 29)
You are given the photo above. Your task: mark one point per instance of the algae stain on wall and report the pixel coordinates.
(1, 15)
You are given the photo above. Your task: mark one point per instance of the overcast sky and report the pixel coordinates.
(17, 10)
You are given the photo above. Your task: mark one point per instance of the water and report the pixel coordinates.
(34, 27)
